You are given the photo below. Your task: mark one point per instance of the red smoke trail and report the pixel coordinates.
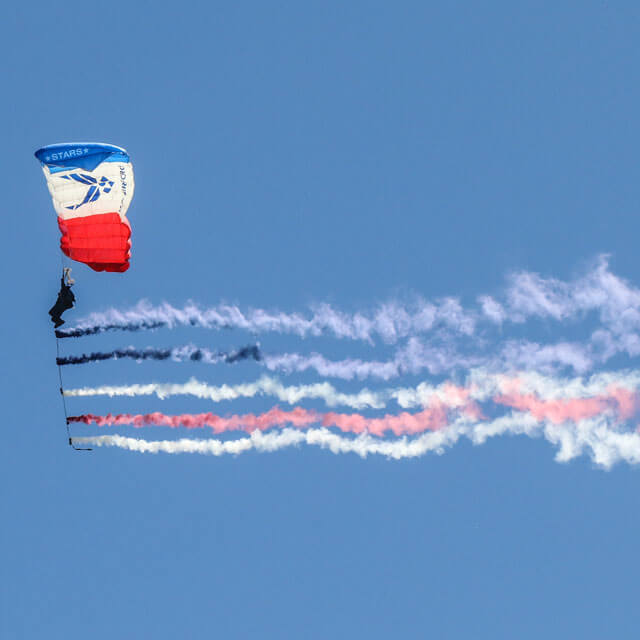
(248, 422)
(404, 423)
(622, 401)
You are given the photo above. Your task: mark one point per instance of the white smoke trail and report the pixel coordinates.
(391, 321)
(409, 397)
(480, 385)
(268, 386)
(527, 295)
(416, 357)
(598, 438)
(483, 384)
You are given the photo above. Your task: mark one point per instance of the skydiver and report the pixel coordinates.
(65, 298)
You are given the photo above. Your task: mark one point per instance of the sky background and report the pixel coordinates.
(287, 153)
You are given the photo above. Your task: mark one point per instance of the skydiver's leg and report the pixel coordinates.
(55, 312)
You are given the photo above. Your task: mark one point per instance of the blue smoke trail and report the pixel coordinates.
(250, 352)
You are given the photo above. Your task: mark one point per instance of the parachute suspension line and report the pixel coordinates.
(64, 402)
(63, 263)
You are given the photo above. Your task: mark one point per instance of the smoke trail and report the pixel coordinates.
(390, 321)
(409, 397)
(459, 337)
(130, 352)
(249, 422)
(416, 357)
(401, 424)
(89, 331)
(617, 402)
(484, 384)
(480, 386)
(527, 295)
(404, 362)
(188, 352)
(413, 358)
(605, 444)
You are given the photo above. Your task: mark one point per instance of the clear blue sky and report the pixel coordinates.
(291, 152)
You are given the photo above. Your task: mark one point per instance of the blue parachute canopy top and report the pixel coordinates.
(79, 155)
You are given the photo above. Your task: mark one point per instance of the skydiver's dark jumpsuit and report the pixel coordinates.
(65, 301)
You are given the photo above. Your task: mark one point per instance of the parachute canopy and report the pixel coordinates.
(91, 185)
